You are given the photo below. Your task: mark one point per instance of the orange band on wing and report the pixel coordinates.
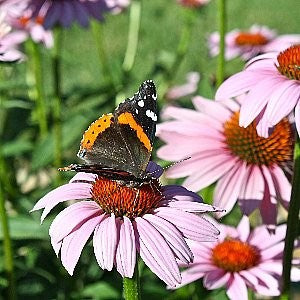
(127, 118)
(95, 129)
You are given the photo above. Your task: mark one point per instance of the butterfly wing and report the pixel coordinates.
(124, 140)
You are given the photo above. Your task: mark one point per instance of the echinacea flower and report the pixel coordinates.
(249, 43)
(186, 89)
(248, 168)
(117, 6)
(151, 220)
(65, 12)
(9, 41)
(193, 3)
(273, 84)
(240, 259)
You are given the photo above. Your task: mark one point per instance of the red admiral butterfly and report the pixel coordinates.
(118, 145)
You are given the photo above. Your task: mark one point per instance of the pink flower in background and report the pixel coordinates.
(248, 168)
(9, 41)
(240, 259)
(193, 3)
(273, 84)
(247, 44)
(65, 12)
(117, 6)
(155, 223)
(186, 89)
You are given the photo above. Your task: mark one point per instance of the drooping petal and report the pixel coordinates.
(70, 191)
(297, 117)
(173, 237)
(216, 279)
(256, 99)
(73, 244)
(193, 206)
(105, 242)
(81, 176)
(156, 253)
(268, 280)
(237, 289)
(126, 250)
(72, 218)
(228, 187)
(194, 227)
(244, 229)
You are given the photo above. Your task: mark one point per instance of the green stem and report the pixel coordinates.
(133, 35)
(222, 31)
(131, 286)
(7, 245)
(39, 91)
(57, 101)
(99, 38)
(292, 223)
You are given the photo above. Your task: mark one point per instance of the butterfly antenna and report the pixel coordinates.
(171, 165)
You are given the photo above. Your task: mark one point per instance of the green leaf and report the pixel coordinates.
(25, 228)
(101, 290)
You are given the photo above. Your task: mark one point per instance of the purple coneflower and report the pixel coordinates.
(249, 43)
(248, 168)
(239, 259)
(273, 84)
(9, 41)
(65, 12)
(152, 220)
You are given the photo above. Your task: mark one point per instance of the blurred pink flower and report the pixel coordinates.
(9, 41)
(186, 89)
(117, 6)
(155, 223)
(65, 12)
(248, 168)
(273, 84)
(193, 3)
(247, 44)
(239, 259)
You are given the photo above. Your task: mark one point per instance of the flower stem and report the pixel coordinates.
(7, 245)
(99, 38)
(39, 91)
(56, 109)
(133, 35)
(131, 286)
(292, 223)
(222, 31)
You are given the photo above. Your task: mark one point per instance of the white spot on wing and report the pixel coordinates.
(154, 96)
(136, 111)
(141, 103)
(151, 115)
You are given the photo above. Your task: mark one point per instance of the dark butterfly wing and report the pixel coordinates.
(124, 140)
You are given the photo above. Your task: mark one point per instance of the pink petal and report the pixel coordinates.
(172, 236)
(229, 186)
(250, 278)
(126, 250)
(73, 244)
(216, 279)
(70, 191)
(210, 170)
(244, 229)
(192, 226)
(272, 251)
(189, 276)
(193, 206)
(72, 218)
(282, 101)
(262, 239)
(105, 242)
(237, 289)
(257, 98)
(156, 253)
(81, 176)
(238, 84)
(268, 280)
(274, 267)
(214, 109)
(297, 117)
(252, 190)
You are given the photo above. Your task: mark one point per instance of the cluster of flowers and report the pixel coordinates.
(243, 141)
(20, 20)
